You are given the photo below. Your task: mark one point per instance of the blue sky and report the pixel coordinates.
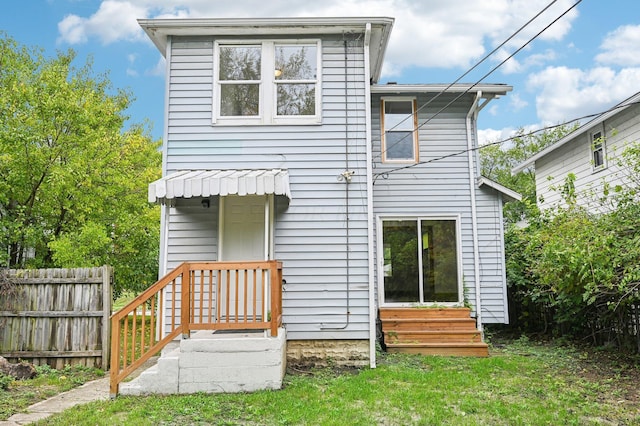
(585, 63)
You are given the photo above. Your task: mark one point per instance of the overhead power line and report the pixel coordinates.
(487, 56)
(386, 173)
(487, 74)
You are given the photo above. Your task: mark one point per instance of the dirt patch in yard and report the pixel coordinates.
(612, 374)
(609, 367)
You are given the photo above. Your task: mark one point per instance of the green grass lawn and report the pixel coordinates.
(123, 300)
(521, 383)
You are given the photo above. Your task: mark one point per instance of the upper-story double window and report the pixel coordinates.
(267, 83)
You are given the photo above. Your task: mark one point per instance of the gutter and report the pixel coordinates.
(371, 264)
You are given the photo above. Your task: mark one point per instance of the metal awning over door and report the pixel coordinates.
(206, 183)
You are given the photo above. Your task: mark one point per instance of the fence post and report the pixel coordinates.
(185, 302)
(107, 281)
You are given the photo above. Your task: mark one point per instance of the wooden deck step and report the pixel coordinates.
(432, 336)
(432, 331)
(444, 349)
(424, 313)
(430, 324)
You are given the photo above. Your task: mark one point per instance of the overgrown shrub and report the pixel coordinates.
(5, 381)
(574, 273)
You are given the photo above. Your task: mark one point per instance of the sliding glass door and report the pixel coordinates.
(420, 260)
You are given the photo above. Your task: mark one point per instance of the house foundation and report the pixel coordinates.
(322, 353)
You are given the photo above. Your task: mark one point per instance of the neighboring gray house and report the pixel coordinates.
(279, 144)
(591, 153)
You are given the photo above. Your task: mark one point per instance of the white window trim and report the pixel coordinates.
(380, 257)
(267, 111)
(383, 131)
(603, 139)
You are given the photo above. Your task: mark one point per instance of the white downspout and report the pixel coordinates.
(370, 254)
(165, 209)
(474, 209)
(165, 214)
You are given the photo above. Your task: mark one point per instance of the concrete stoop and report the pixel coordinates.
(215, 363)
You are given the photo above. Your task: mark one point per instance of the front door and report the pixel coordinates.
(243, 223)
(243, 228)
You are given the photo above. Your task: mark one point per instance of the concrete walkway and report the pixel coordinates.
(90, 391)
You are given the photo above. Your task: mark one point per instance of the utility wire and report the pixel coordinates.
(386, 173)
(477, 64)
(484, 76)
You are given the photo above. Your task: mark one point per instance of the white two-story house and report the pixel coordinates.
(280, 145)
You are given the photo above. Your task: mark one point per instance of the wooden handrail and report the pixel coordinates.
(213, 296)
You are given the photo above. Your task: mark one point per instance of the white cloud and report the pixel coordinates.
(516, 102)
(158, 69)
(72, 30)
(447, 33)
(621, 47)
(567, 93)
(113, 21)
(486, 136)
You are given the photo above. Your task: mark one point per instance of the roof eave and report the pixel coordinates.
(159, 30)
(578, 132)
(513, 195)
(491, 90)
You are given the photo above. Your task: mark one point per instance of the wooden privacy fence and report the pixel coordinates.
(243, 295)
(57, 316)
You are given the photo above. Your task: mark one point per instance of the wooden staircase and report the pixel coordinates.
(432, 331)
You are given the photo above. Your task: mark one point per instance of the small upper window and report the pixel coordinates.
(597, 151)
(399, 130)
(266, 83)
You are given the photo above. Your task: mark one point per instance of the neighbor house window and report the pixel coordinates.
(597, 151)
(421, 261)
(267, 83)
(399, 130)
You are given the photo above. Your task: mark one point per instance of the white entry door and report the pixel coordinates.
(243, 228)
(243, 236)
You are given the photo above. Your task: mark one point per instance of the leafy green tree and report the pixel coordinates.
(497, 160)
(73, 180)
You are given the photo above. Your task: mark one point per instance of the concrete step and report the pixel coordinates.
(161, 378)
(215, 362)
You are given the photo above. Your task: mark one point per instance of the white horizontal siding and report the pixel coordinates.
(310, 229)
(493, 289)
(193, 233)
(575, 157)
(441, 188)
